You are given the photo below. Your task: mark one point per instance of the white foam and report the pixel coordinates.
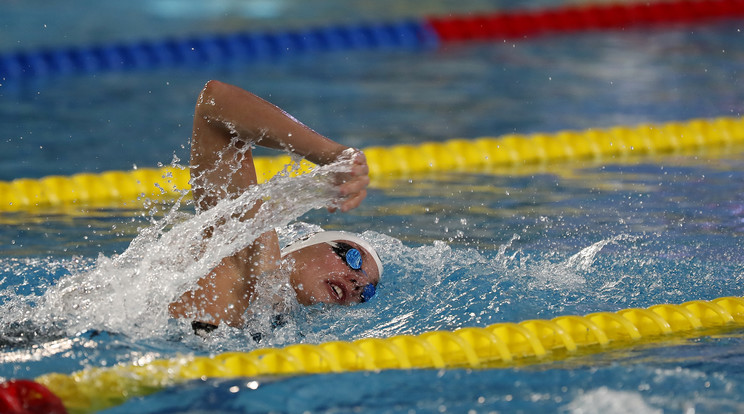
(606, 401)
(130, 292)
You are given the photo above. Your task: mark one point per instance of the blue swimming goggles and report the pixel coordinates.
(353, 258)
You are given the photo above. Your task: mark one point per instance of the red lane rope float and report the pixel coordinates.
(407, 34)
(28, 397)
(520, 24)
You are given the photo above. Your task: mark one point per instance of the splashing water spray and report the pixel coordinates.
(130, 293)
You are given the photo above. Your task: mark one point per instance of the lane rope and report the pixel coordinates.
(500, 345)
(121, 187)
(577, 18)
(408, 34)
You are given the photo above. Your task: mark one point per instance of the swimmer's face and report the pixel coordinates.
(320, 275)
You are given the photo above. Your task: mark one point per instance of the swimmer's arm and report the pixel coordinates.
(225, 293)
(224, 111)
(262, 123)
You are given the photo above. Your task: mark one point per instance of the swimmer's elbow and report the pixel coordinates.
(212, 87)
(210, 101)
(218, 98)
(209, 95)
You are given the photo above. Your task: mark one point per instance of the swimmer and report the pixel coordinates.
(326, 267)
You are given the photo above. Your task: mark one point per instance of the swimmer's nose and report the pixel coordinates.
(355, 283)
(367, 291)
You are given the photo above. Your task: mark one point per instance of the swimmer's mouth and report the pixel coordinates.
(337, 291)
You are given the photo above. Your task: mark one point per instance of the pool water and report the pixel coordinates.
(460, 248)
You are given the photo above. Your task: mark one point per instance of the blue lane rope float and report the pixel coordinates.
(409, 34)
(215, 48)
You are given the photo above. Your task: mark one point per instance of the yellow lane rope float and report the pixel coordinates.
(496, 346)
(457, 154)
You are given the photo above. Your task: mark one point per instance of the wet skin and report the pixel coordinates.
(320, 275)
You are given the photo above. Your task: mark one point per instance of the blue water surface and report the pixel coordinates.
(460, 248)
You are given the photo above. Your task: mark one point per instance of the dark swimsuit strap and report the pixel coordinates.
(204, 328)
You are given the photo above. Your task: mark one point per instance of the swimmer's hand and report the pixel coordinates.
(352, 185)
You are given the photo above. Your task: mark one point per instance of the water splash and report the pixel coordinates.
(130, 292)
(584, 259)
(441, 286)
(605, 400)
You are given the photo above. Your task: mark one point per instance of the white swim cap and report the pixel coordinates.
(330, 236)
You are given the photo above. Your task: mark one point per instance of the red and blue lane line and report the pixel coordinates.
(411, 34)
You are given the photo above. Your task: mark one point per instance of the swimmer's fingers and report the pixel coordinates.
(352, 185)
(351, 194)
(354, 201)
(359, 166)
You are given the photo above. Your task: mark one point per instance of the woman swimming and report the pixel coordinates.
(327, 267)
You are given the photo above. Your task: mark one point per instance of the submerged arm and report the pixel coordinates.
(227, 122)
